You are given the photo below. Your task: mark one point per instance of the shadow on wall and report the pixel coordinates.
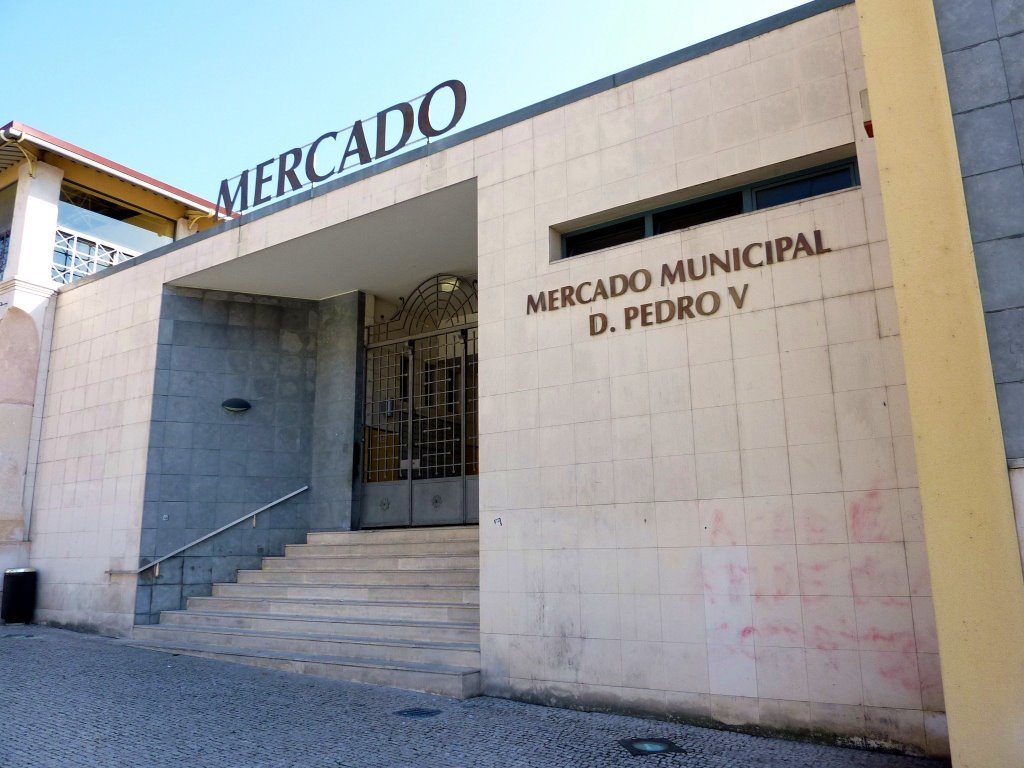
(19, 365)
(207, 466)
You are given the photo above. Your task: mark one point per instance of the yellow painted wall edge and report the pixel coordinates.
(969, 529)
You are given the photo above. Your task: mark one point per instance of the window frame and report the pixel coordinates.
(68, 184)
(788, 178)
(749, 194)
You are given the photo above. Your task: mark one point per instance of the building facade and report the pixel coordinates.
(679, 343)
(65, 214)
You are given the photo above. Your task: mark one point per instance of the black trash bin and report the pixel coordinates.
(19, 600)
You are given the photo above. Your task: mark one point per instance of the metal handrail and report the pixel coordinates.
(211, 534)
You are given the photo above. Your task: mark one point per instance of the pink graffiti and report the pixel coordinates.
(721, 532)
(890, 641)
(737, 574)
(865, 518)
(825, 639)
(812, 575)
(776, 630)
(815, 533)
(868, 566)
(902, 670)
(782, 580)
(822, 638)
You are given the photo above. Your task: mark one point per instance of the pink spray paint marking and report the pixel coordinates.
(865, 518)
(721, 533)
(902, 670)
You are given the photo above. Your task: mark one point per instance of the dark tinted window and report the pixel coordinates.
(808, 186)
(751, 197)
(698, 213)
(605, 237)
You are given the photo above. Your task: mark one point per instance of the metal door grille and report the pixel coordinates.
(420, 458)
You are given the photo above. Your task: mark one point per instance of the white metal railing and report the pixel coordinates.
(156, 563)
(76, 255)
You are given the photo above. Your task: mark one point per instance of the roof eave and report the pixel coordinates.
(91, 159)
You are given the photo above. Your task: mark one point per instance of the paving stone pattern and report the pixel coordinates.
(80, 700)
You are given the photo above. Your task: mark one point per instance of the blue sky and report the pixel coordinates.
(193, 92)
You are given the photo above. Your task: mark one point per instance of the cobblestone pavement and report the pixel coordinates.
(68, 699)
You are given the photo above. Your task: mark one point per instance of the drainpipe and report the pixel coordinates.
(29, 489)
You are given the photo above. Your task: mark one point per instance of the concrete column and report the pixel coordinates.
(26, 294)
(973, 554)
(30, 252)
(181, 230)
(337, 413)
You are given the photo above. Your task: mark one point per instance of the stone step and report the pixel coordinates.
(377, 649)
(340, 609)
(390, 629)
(463, 577)
(397, 535)
(438, 594)
(385, 549)
(458, 682)
(392, 607)
(357, 562)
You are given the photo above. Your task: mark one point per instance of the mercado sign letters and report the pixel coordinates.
(301, 166)
(689, 270)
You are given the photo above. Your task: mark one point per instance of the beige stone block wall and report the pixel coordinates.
(718, 517)
(92, 454)
(19, 351)
(19, 360)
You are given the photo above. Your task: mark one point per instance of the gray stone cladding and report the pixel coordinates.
(337, 414)
(983, 51)
(77, 700)
(206, 466)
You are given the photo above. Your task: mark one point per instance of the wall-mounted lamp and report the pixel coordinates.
(236, 405)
